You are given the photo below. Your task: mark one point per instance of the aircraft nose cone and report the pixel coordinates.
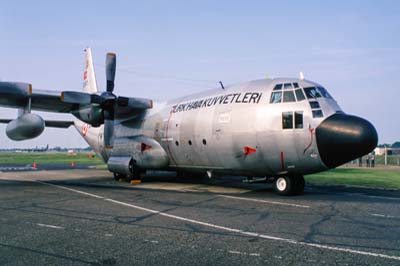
(342, 138)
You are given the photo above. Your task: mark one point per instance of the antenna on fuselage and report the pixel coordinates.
(301, 75)
(222, 85)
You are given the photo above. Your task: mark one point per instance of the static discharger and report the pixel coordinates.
(248, 150)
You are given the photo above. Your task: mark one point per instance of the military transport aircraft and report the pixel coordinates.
(279, 129)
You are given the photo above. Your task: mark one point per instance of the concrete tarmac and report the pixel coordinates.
(84, 217)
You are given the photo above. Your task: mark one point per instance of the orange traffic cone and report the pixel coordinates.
(34, 165)
(73, 164)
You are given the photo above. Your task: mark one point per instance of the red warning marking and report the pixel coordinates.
(85, 128)
(311, 141)
(282, 161)
(145, 147)
(248, 150)
(85, 75)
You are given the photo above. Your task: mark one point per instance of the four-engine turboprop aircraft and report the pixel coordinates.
(276, 128)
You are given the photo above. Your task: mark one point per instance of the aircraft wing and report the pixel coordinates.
(85, 106)
(17, 95)
(88, 105)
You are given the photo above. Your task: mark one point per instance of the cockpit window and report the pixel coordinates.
(300, 95)
(314, 105)
(288, 96)
(292, 92)
(276, 97)
(312, 93)
(317, 113)
(324, 92)
(287, 86)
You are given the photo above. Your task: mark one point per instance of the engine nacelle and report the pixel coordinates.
(90, 114)
(121, 165)
(27, 126)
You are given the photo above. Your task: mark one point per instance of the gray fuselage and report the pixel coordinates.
(252, 129)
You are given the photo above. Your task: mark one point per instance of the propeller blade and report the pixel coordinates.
(111, 61)
(138, 103)
(108, 133)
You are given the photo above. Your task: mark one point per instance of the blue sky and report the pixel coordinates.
(171, 48)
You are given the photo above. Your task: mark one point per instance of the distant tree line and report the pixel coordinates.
(394, 145)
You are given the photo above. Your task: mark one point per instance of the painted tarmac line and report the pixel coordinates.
(265, 201)
(228, 229)
(244, 253)
(384, 215)
(50, 226)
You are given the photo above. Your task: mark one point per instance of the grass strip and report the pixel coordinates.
(374, 178)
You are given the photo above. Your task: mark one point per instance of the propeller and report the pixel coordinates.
(107, 101)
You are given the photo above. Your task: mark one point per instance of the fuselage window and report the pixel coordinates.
(300, 95)
(312, 93)
(278, 87)
(317, 113)
(287, 120)
(288, 96)
(276, 97)
(287, 86)
(298, 119)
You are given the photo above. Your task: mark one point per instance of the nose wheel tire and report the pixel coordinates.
(289, 185)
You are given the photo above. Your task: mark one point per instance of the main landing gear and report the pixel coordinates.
(136, 174)
(289, 185)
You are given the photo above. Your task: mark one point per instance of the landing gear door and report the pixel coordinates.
(222, 135)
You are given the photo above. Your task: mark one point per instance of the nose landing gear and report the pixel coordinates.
(289, 185)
